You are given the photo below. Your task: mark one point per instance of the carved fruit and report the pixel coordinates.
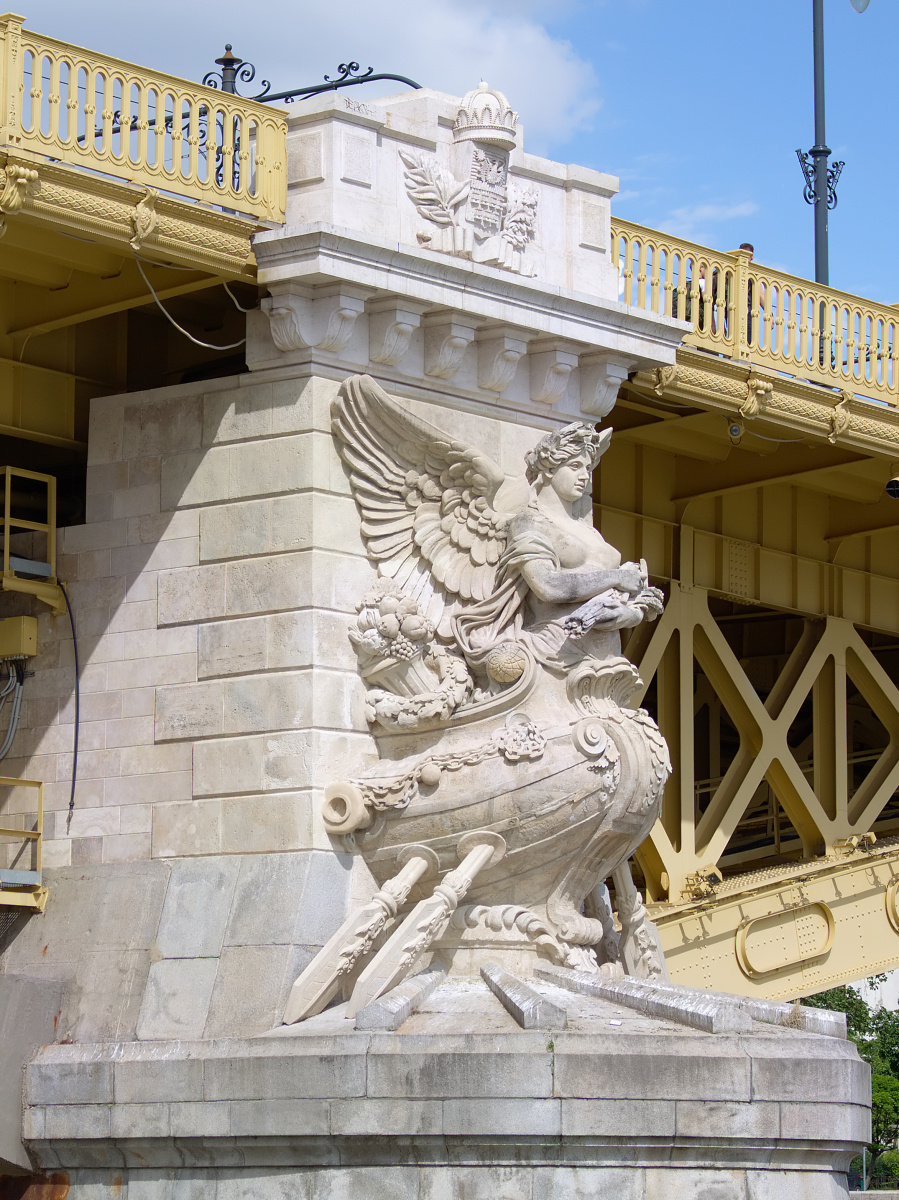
(506, 662)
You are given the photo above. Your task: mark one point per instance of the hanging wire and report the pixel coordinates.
(168, 316)
(65, 596)
(237, 303)
(16, 680)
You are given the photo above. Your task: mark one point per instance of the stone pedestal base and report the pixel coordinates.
(460, 1104)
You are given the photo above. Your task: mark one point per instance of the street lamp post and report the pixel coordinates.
(820, 179)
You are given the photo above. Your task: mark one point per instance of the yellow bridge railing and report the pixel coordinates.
(87, 110)
(753, 313)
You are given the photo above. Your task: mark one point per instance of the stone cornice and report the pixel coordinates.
(749, 393)
(320, 254)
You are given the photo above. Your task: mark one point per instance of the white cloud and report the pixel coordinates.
(694, 220)
(444, 44)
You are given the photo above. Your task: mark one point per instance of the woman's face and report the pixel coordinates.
(571, 480)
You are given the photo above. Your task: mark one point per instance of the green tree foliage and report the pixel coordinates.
(884, 1112)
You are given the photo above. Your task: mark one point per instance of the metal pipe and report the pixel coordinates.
(820, 151)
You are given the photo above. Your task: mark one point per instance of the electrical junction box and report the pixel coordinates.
(18, 637)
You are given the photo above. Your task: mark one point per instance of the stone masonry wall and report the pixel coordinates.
(212, 587)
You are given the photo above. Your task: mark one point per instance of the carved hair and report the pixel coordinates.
(561, 446)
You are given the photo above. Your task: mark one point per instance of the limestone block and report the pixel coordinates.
(164, 527)
(106, 477)
(190, 594)
(196, 909)
(282, 1118)
(698, 1118)
(279, 464)
(838, 1071)
(522, 1072)
(194, 827)
(246, 528)
(161, 426)
(695, 1184)
(138, 702)
(715, 1074)
(140, 1120)
(228, 766)
(267, 823)
(105, 1002)
(528, 1007)
(69, 1083)
(177, 998)
(241, 1011)
(234, 647)
(149, 1081)
(147, 789)
(464, 1117)
(266, 584)
(310, 758)
(90, 822)
(135, 502)
(190, 710)
(822, 1121)
(195, 477)
(129, 731)
(200, 1120)
(136, 818)
(126, 847)
(617, 1118)
(99, 535)
(77, 1121)
(142, 760)
(292, 899)
(161, 556)
(256, 703)
(369, 1118)
(581, 1182)
(326, 1071)
(105, 430)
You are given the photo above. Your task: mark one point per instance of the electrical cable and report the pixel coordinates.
(65, 596)
(17, 680)
(168, 316)
(237, 303)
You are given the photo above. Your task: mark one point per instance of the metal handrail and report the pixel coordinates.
(759, 315)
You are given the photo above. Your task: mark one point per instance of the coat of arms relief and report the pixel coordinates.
(482, 216)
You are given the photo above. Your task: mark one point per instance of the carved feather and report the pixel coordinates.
(425, 499)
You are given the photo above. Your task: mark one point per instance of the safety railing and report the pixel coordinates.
(21, 884)
(756, 314)
(88, 110)
(34, 573)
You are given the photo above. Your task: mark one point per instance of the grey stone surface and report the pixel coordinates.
(396, 1006)
(688, 1007)
(29, 1009)
(176, 1002)
(247, 992)
(196, 908)
(529, 1008)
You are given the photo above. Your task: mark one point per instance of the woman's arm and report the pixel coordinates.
(560, 585)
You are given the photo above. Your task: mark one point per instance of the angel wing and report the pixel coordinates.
(426, 499)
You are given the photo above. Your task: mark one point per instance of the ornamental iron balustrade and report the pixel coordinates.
(91, 111)
(756, 314)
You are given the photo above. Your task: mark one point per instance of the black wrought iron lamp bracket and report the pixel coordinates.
(234, 70)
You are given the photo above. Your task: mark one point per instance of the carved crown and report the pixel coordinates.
(485, 115)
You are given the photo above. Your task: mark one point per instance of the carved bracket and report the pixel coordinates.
(391, 324)
(498, 353)
(550, 366)
(447, 337)
(840, 417)
(758, 390)
(15, 184)
(602, 375)
(323, 319)
(144, 219)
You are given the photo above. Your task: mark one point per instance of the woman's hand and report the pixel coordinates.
(630, 578)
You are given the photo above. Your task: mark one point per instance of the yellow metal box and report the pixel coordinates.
(18, 636)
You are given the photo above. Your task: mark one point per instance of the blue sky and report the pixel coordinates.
(698, 105)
